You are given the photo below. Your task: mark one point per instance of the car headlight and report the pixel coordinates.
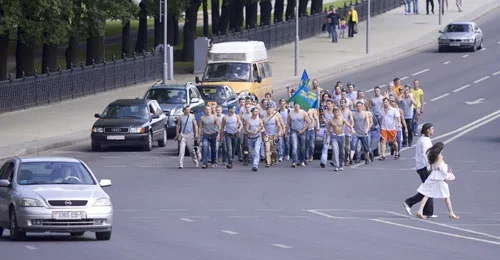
(469, 40)
(443, 40)
(97, 130)
(102, 202)
(28, 202)
(137, 130)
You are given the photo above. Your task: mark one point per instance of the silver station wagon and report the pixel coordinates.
(53, 194)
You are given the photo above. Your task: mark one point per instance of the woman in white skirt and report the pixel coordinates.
(435, 185)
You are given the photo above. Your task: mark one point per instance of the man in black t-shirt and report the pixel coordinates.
(333, 21)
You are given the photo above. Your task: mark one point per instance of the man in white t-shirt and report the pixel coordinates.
(388, 131)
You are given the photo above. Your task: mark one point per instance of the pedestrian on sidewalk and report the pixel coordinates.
(415, 6)
(408, 6)
(427, 3)
(422, 165)
(253, 128)
(459, 5)
(208, 133)
(230, 131)
(436, 186)
(343, 26)
(334, 22)
(185, 135)
(352, 20)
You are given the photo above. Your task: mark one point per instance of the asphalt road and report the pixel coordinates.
(312, 213)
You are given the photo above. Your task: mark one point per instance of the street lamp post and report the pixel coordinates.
(368, 29)
(296, 37)
(165, 49)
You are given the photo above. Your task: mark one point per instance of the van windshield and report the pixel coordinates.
(227, 72)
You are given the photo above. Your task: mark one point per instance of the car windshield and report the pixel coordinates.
(227, 72)
(213, 93)
(458, 28)
(120, 111)
(167, 95)
(43, 173)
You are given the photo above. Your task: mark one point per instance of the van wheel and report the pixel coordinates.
(15, 234)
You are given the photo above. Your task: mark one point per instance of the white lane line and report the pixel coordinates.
(282, 246)
(64, 152)
(293, 216)
(187, 219)
(420, 72)
(127, 210)
(269, 209)
(114, 166)
(403, 78)
(173, 210)
(440, 97)
(496, 73)
(198, 217)
(30, 247)
(447, 62)
(436, 232)
(486, 225)
(151, 166)
(461, 88)
(465, 56)
(318, 212)
(144, 217)
(223, 210)
(467, 126)
(368, 90)
(229, 232)
(243, 217)
(489, 219)
(481, 79)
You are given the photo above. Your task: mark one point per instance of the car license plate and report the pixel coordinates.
(454, 44)
(116, 137)
(68, 215)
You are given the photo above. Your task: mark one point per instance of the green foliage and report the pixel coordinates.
(9, 15)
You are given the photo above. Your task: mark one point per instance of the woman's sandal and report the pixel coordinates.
(382, 158)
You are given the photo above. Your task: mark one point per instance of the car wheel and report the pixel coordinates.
(163, 141)
(473, 48)
(15, 234)
(103, 235)
(1, 231)
(77, 234)
(480, 47)
(441, 49)
(95, 147)
(148, 146)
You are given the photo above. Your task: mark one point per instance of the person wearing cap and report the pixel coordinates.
(208, 133)
(253, 127)
(273, 129)
(423, 144)
(298, 122)
(186, 130)
(230, 132)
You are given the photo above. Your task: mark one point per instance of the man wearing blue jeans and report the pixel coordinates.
(208, 130)
(415, 6)
(361, 129)
(333, 21)
(253, 127)
(298, 123)
(335, 136)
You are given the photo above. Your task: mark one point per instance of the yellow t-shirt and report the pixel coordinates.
(417, 94)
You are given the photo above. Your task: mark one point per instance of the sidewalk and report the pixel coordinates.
(392, 34)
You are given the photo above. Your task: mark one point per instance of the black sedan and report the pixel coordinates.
(221, 95)
(130, 122)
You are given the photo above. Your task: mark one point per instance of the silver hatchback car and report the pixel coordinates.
(53, 194)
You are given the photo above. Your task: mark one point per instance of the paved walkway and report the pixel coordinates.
(392, 34)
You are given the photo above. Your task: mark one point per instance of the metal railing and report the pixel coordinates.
(282, 33)
(37, 90)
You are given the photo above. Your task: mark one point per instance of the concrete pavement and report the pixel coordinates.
(392, 34)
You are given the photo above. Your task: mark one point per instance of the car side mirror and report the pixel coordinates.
(197, 80)
(258, 79)
(97, 115)
(105, 183)
(195, 100)
(5, 183)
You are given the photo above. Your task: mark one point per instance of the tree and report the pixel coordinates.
(251, 14)
(142, 35)
(290, 9)
(9, 17)
(316, 6)
(279, 5)
(215, 17)
(76, 32)
(303, 7)
(205, 18)
(237, 15)
(265, 12)
(190, 30)
(225, 17)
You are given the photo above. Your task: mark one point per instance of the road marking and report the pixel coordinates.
(243, 217)
(475, 102)
(447, 62)
(465, 56)
(115, 166)
(293, 216)
(127, 210)
(470, 129)
(318, 212)
(30, 247)
(436, 232)
(67, 152)
(198, 217)
(403, 78)
(144, 217)
(110, 157)
(229, 232)
(481, 79)
(485, 171)
(282, 246)
(223, 210)
(483, 49)
(173, 210)
(269, 209)
(187, 219)
(150, 157)
(440, 97)
(461, 88)
(151, 166)
(496, 73)
(420, 72)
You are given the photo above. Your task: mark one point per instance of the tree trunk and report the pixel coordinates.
(95, 49)
(206, 32)
(290, 9)
(190, 30)
(225, 17)
(159, 31)
(215, 17)
(265, 12)
(316, 6)
(142, 35)
(279, 5)
(4, 54)
(303, 8)
(72, 51)
(251, 15)
(49, 58)
(237, 15)
(25, 56)
(172, 30)
(125, 40)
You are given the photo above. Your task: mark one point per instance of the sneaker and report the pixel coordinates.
(367, 162)
(322, 165)
(287, 158)
(268, 165)
(331, 163)
(432, 216)
(280, 159)
(407, 208)
(335, 169)
(294, 165)
(254, 169)
(341, 168)
(180, 167)
(302, 164)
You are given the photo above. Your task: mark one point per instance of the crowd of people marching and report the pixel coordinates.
(354, 128)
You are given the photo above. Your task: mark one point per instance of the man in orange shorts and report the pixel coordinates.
(390, 118)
